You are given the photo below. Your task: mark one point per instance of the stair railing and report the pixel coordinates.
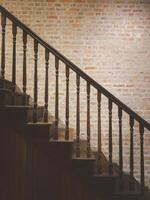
(26, 32)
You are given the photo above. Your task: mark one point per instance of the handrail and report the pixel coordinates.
(75, 68)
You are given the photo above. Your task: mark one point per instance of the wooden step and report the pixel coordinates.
(39, 131)
(6, 84)
(20, 117)
(60, 141)
(83, 158)
(129, 196)
(104, 184)
(82, 165)
(39, 124)
(24, 114)
(101, 178)
(60, 148)
(7, 95)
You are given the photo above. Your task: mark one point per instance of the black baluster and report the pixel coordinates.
(35, 81)
(67, 104)
(78, 117)
(3, 24)
(120, 150)
(56, 98)
(141, 129)
(131, 184)
(24, 67)
(99, 132)
(46, 85)
(88, 121)
(14, 32)
(110, 136)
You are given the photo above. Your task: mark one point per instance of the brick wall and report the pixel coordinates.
(109, 40)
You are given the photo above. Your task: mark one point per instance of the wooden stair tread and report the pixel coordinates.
(105, 175)
(83, 158)
(18, 106)
(39, 124)
(22, 107)
(61, 141)
(128, 193)
(4, 90)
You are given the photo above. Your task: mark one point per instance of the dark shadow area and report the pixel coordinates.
(125, 193)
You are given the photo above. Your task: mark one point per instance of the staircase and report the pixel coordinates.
(42, 160)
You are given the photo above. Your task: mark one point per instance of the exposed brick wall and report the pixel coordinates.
(109, 40)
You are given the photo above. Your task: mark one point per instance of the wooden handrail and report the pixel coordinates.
(75, 68)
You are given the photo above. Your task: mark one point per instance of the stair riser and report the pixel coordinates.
(6, 98)
(38, 134)
(83, 168)
(5, 84)
(105, 186)
(23, 115)
(60, 151)
(128, 198)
